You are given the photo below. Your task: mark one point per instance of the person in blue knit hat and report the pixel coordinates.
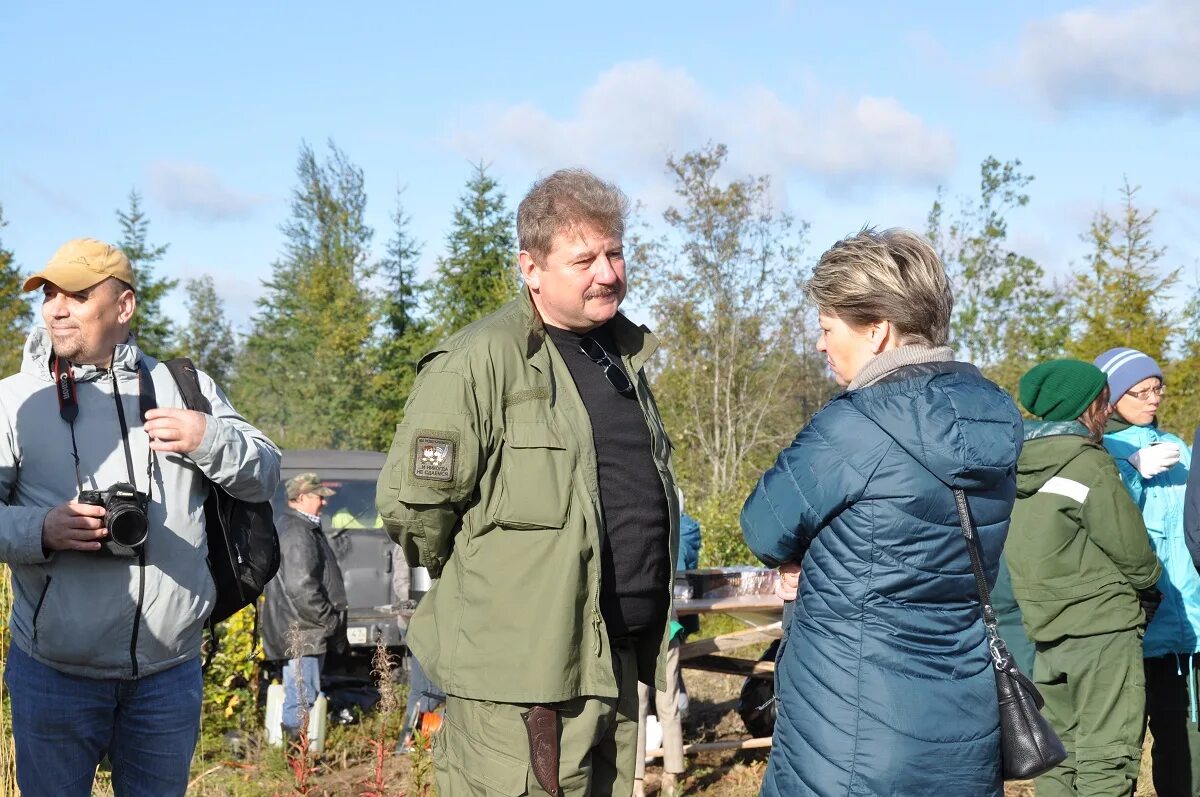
(1154, 466)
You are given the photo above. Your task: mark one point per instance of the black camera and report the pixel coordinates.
(124, 513)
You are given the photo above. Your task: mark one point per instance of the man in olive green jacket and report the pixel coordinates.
(531, 474)
(1082, 571)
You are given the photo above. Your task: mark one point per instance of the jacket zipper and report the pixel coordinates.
(38, 609)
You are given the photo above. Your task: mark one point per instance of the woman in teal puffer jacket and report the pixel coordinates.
(884, 681)
(1154, 466)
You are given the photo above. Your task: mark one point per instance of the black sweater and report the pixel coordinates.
(635, 545)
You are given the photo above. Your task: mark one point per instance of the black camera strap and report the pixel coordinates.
(68, 406)
(68, 410)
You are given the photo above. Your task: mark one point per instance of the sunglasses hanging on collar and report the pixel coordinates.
(612, 372)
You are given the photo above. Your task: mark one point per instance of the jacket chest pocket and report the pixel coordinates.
(534, 490)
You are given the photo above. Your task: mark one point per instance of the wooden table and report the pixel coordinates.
(763, 615)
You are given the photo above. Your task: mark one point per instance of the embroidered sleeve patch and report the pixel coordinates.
(433, 458)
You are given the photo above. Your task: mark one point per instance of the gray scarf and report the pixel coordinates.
(884, 363)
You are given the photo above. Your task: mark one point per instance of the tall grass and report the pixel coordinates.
(8, 753)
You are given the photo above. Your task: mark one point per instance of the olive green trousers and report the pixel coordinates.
(1095, 691)
(483, 747)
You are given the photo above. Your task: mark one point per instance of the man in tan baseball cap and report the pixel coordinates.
(82, 263)
(76, 418)
(88, 300)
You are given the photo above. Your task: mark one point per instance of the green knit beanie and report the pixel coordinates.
(1060, 390)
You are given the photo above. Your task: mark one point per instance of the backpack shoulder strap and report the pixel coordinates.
(183, 370)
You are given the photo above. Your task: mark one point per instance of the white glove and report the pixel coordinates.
(1154, 459)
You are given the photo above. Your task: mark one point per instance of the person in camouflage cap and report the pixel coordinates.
(305, 603)
(307, 484)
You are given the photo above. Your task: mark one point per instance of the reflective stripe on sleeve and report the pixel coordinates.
(1067, 488)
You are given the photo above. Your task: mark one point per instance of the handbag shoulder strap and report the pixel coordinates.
(973, 550)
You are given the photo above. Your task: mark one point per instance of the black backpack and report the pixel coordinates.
(243, 547)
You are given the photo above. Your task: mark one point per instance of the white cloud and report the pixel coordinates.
(195, 190)
(1146, 54)
(638, 112)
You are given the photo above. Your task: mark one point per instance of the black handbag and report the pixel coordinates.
(1028, 745)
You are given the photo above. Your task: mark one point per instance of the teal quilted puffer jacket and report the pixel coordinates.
(884, 680)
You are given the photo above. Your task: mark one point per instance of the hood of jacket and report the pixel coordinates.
(960, 427)
(1049, 447)
(39, 349)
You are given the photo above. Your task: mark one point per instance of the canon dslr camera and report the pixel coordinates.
(124, 516)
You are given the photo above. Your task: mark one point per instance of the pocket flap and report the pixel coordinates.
(532, 434)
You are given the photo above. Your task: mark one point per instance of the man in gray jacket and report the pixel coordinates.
(105, 647)
(304, 602)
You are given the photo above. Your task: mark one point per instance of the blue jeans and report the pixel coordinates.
(63, 725)
(305, 678)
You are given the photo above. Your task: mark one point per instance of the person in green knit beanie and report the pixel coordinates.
(1082, 572)
(1061, 390)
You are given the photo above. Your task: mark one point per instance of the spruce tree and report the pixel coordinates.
(153, 330)
(207, 336)
(404, 334)
(305, 377)
(15, 313)
(478, 273)
(398, 271)
(1120, 294)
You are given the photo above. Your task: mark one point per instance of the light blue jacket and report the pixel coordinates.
(1176, 626)
(96, 616)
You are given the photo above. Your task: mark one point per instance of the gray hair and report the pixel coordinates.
(894, 275)
(566, 200)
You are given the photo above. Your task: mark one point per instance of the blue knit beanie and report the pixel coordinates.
(1124, 368)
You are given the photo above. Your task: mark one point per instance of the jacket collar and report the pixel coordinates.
(1118, 424)
(1038, 429)
(633, 340)
(39, 348)
(307, 518)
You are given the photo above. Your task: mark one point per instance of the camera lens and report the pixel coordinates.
(127, 525)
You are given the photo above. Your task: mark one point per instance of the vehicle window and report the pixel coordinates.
(353, 507)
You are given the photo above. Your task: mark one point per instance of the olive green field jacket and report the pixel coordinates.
(491, 483)
(1077, 548)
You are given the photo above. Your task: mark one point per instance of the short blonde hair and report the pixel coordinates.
(568, 199)
(894, 275)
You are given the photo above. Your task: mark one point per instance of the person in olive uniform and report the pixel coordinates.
(532, 476)
(1083, 573)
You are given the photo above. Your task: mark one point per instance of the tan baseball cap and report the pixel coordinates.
(82, 263)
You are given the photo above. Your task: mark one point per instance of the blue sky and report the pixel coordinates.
(858, 111)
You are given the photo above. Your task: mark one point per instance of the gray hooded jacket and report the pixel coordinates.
(92, 615)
